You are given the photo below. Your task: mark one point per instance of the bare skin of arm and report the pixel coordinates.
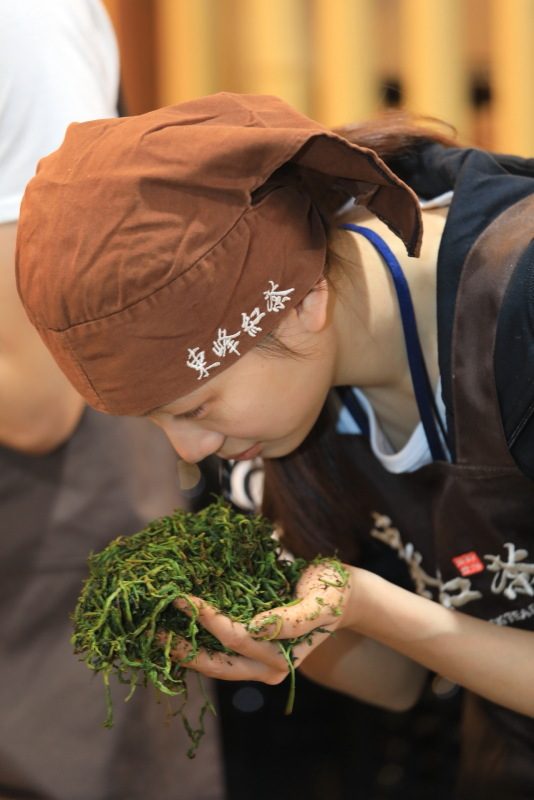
(38, 408)
(411, 631)
(491, 660)
(365, 670)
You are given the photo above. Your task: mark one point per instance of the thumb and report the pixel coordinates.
(320, 596)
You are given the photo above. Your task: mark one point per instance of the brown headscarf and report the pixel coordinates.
(155, 250)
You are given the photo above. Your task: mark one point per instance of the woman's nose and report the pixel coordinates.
(193, 444)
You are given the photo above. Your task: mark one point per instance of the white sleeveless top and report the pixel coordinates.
(414, 454)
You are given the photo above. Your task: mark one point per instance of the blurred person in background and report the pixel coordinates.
(71, 479)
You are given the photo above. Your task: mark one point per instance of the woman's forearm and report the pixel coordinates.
(366, 670)
(495, 662)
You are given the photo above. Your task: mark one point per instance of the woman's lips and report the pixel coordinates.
(252, 452)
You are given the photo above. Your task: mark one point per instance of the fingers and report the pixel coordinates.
(317, 611)
(321, 595)
(222, 666)
(268, 664)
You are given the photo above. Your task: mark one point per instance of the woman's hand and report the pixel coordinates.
(321, 599)
(490, 660)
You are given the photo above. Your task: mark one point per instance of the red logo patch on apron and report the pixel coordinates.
(468, 563)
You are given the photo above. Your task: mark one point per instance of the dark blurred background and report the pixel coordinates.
(334, 748)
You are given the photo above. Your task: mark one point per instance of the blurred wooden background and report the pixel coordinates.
(469, 62)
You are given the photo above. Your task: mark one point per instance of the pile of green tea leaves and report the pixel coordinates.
(229, 559)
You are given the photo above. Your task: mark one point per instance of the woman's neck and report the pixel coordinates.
(372, 352)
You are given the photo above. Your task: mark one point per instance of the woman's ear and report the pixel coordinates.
(312, 310)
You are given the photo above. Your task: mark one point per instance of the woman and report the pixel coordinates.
(221, 267)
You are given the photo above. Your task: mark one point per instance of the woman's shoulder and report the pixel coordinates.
(514, 361)
(485, 186)
(432, 169)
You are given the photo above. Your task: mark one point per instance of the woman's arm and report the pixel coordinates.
(366, 670)
(494, 662)
(339, 659)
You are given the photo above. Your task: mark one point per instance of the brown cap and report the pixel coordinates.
(155, 250)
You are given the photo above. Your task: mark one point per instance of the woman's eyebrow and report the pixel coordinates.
(152, 411)
(192, 407)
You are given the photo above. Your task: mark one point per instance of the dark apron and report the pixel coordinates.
(466, 529)
(110, 478)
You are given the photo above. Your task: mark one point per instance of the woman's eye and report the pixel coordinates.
(195, 412)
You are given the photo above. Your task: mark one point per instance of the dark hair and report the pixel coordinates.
(314, 494)
(396, 132)
(305, 494)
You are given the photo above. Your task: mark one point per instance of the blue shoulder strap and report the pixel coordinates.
(424, 395)
(350, 401)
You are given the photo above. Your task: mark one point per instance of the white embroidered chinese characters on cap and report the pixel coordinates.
(275, 301)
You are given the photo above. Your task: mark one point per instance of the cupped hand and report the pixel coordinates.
(319, 608)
